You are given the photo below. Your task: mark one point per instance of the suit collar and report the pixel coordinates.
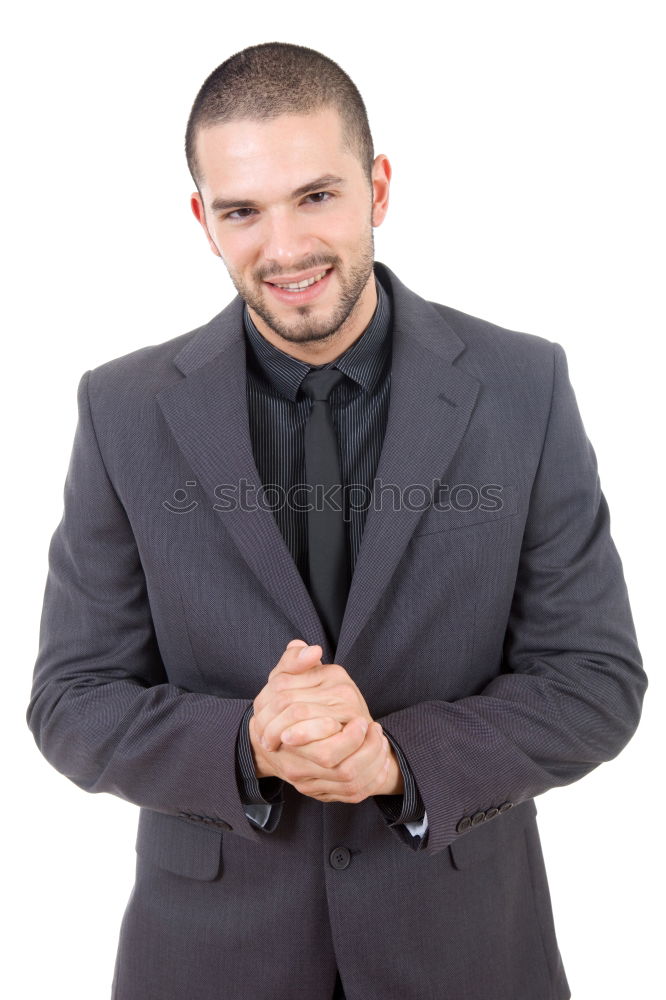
(431, 402)
(410, 311)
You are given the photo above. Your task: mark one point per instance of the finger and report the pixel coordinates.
(332, 787)
(372, 752)
(339, 748)
(315, 676)
(302, 733)
(341, 702)
(270, 725)
(297, 659)
(286, 661)
(331, 752)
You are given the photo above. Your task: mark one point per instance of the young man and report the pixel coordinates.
(333, 597)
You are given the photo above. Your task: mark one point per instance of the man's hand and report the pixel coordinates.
(336, 752)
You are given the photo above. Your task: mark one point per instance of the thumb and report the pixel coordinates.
(301, 656)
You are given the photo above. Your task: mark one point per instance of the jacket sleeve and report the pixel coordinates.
(101, 710)
(570, 691)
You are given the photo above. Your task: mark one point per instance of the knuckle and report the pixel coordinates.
(346, 773)
(351, 782)
(292, 773)
(282, 702)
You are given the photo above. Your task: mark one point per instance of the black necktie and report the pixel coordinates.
(327, 538)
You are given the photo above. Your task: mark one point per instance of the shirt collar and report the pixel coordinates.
(363, 361)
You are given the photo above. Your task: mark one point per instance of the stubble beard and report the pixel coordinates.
(305, 327)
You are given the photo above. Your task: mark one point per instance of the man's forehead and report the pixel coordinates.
(280, 156)
(247, 136)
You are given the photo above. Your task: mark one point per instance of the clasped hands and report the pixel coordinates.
(311, 727)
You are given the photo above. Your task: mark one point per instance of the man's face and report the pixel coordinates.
(288, 236)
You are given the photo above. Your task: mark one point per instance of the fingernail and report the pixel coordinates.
(303, 653)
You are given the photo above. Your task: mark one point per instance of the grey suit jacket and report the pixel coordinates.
(488, 627)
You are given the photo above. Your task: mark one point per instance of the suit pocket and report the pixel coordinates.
(481, 841)
(468, 506)
(178, 845)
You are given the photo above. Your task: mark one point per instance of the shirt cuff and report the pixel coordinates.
(264, 817)
(408, 807)
(254, 790)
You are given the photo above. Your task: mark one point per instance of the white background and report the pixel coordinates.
(525, 141)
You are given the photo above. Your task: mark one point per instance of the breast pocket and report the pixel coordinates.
(179, 845)
(468, 504)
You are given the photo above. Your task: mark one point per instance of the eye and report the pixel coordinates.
(318, 194)
(231, 215)
(236, 217)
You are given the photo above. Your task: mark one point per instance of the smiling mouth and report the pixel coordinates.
(298, 286)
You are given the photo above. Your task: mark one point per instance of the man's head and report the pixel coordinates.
(266, 125)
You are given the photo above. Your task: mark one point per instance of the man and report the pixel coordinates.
(334, 708)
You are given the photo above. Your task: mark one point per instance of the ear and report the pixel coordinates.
(381, 181)
(197, 207)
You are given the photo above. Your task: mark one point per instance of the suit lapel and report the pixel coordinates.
(431, 402)
(208, 416)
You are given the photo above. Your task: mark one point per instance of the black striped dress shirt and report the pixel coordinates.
(278, 413)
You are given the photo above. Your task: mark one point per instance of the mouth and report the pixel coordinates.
(302, 291)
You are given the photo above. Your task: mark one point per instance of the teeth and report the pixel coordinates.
(295, 286)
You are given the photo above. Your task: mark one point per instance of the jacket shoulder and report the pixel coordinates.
(510, 364)
(150, 366)
(494, 343)
(128, 384)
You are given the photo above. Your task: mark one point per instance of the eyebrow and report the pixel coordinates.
(220, 204)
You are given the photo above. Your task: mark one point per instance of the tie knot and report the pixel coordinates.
(318, 385)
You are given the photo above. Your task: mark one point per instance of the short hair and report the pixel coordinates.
(276, 78)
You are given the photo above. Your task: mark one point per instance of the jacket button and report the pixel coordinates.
(340, 857)
(464, 824)
(478, 818)
(505, 807)
(491, 813)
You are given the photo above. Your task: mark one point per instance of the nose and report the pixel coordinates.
(287, 244)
